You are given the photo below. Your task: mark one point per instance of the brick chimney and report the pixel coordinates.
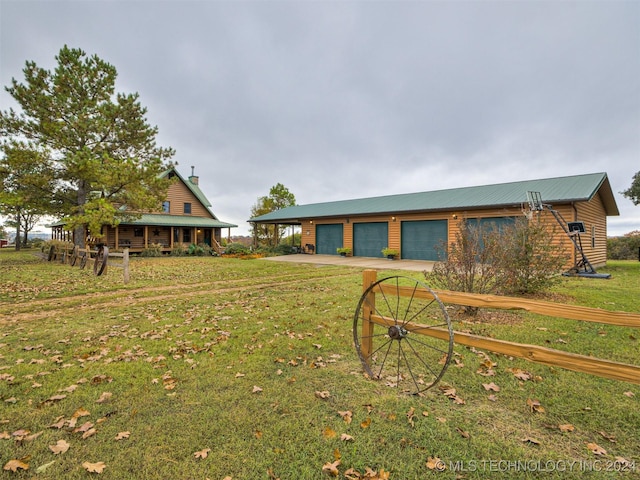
(193, 179)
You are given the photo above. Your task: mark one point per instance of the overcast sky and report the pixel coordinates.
(340, 100)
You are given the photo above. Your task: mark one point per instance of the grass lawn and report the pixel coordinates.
(214, 368)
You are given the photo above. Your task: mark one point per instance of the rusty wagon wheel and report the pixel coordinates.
(74, 255)
(83, 260)
(100, 262)
(403, 334)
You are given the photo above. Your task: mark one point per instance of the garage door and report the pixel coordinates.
(328, 238)
(423, 240)
(370, 238)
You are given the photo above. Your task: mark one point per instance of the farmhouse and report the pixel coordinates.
(184, 218)
(417, 224)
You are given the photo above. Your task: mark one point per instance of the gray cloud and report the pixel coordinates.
(351, 99)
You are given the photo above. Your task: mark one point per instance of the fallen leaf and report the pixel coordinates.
(61, 446)
(435, 463)
(530, 440)
(596, 449)
(567, 427)
(609, 437)
(535, 406)
(123, 435)
(365, 423)
(331, 468)
(97, 467)
(328, 432)
(629, 394)
(202, 453)
(347, 416)
(346, 438)
(44, 466)
(324, 394)
(105, 397)
(462, 433)
(15, 465)
(256, 389)
(81, 412)
(239, 375)
(491, 386)
(89, 433)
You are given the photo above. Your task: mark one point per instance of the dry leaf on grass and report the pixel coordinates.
(535, 405)
(347, 416)
(324, 394)
(256, 389)
(61, 446)
(15, 465)
(97, 467)
(202, 453)
(328, 432)
(596, 449)
(435, 463)
(346, 438)
(491, 386)
(105, 397)
(123, 435)
(566, 427)
(89, 433)
(331, 468)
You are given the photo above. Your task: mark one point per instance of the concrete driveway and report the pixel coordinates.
(358, 262)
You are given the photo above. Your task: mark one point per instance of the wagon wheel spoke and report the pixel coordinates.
(74, 255)
(403, 334)
(100, 262)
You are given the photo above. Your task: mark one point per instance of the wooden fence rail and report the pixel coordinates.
(65, 255)
(534, 353)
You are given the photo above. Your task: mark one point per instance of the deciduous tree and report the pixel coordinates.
(279, 197)
(633, 192)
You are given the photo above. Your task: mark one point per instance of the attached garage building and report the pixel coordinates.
(419, 225)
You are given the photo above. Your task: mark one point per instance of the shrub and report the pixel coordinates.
(517, 258)
(153, 250)
(236, 249)
(625, 247)
(178, 251)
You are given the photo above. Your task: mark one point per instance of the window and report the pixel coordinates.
(138, 232)
(166, 206)
(186, 235)
(187, 207)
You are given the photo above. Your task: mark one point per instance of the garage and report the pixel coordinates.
(423, 239)
(328, 238)
(370, 238)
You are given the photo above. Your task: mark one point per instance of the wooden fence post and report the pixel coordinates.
(125, 265)
(369, 277)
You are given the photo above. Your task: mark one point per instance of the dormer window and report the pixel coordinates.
(166, 206)
(187, 208)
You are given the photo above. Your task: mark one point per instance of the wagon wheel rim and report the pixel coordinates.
(74, 255)
(404, 340)
(100, 262)
(83, 261)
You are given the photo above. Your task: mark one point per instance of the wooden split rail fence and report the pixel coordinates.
(547, 356)
(100, 257)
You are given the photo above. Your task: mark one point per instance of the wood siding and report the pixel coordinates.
(591, 213)
(179, 194)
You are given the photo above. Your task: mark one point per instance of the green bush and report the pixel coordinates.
(153, 250)
(624, 248)
(236, 249)
(518, 258)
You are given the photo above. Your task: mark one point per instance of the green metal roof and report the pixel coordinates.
(554, 191)
(164, 220)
